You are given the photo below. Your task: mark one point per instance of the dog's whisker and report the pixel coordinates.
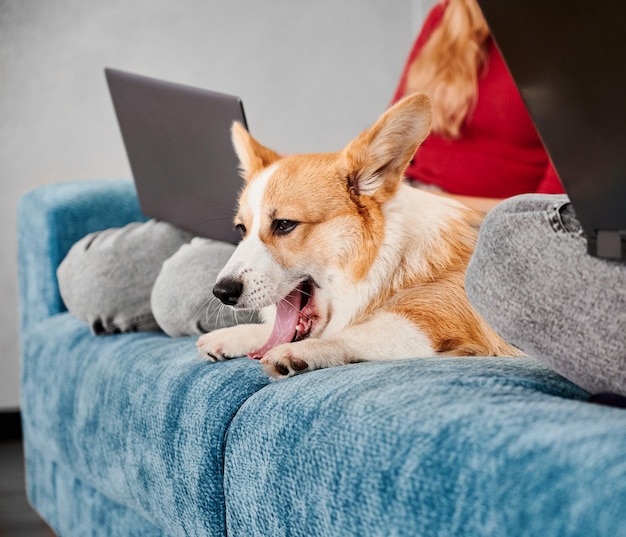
(215, 313)
(295, 307)
(222, 314)
(210, 285)
(205, 303)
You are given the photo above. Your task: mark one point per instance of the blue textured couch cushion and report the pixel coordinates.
(137, 416)
(447, 447)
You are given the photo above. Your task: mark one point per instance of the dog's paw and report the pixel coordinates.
(231, 342)
(218, 345)
(285, 361)
(292, 359)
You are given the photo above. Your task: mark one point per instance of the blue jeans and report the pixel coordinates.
(146, 276)
(532, 279)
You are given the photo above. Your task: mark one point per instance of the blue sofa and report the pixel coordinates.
(132, 434)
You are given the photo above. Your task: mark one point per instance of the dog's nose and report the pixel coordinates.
(228, 290)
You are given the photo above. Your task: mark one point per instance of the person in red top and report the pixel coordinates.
(483, 146)
(530, 276)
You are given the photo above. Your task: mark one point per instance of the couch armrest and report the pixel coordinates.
(50, 219)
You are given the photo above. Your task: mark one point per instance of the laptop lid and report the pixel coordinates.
(568, 59)
(178, 144)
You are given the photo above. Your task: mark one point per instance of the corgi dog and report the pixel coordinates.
(346, 261)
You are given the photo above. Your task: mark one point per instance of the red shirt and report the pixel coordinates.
(499, 153)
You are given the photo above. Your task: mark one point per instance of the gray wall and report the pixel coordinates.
(311, 74)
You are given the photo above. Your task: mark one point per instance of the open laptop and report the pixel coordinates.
(568, 59)
(177, 139)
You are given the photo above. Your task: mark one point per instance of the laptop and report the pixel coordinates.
(178, 144)
(568, 59)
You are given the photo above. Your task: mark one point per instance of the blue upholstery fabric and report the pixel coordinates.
(133, 435)
(439, 446)
(137, 416)
(73, 508)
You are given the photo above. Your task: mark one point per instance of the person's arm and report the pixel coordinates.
(480, 204)
(550, 184)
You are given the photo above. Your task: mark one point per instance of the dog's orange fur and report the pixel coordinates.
(318, 199)
(407, 265)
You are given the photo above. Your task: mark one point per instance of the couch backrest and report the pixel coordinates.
(50, 219)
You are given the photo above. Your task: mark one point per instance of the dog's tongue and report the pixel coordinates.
(287, 317)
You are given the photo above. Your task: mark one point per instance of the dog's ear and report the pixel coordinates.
(253, 156)
(376, 160)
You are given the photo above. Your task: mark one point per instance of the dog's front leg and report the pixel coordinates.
(383, 336)
(232, 342)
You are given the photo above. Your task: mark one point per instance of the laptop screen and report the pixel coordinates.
(178, 143)
(568, 59)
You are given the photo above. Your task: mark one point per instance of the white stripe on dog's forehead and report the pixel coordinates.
(256, 196)
(251, 251)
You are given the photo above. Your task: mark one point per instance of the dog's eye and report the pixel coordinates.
(241, 228)
(282, 227)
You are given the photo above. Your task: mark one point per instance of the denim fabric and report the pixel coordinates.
(532, 279)
(446, 447)
(182, 300)
(107, 277)
(136, 416)
(126, 278)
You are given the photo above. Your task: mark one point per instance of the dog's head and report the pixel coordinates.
(309, 222)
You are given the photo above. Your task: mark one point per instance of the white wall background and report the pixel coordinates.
(311, 73)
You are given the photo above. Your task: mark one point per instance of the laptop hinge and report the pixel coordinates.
(608, 244)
